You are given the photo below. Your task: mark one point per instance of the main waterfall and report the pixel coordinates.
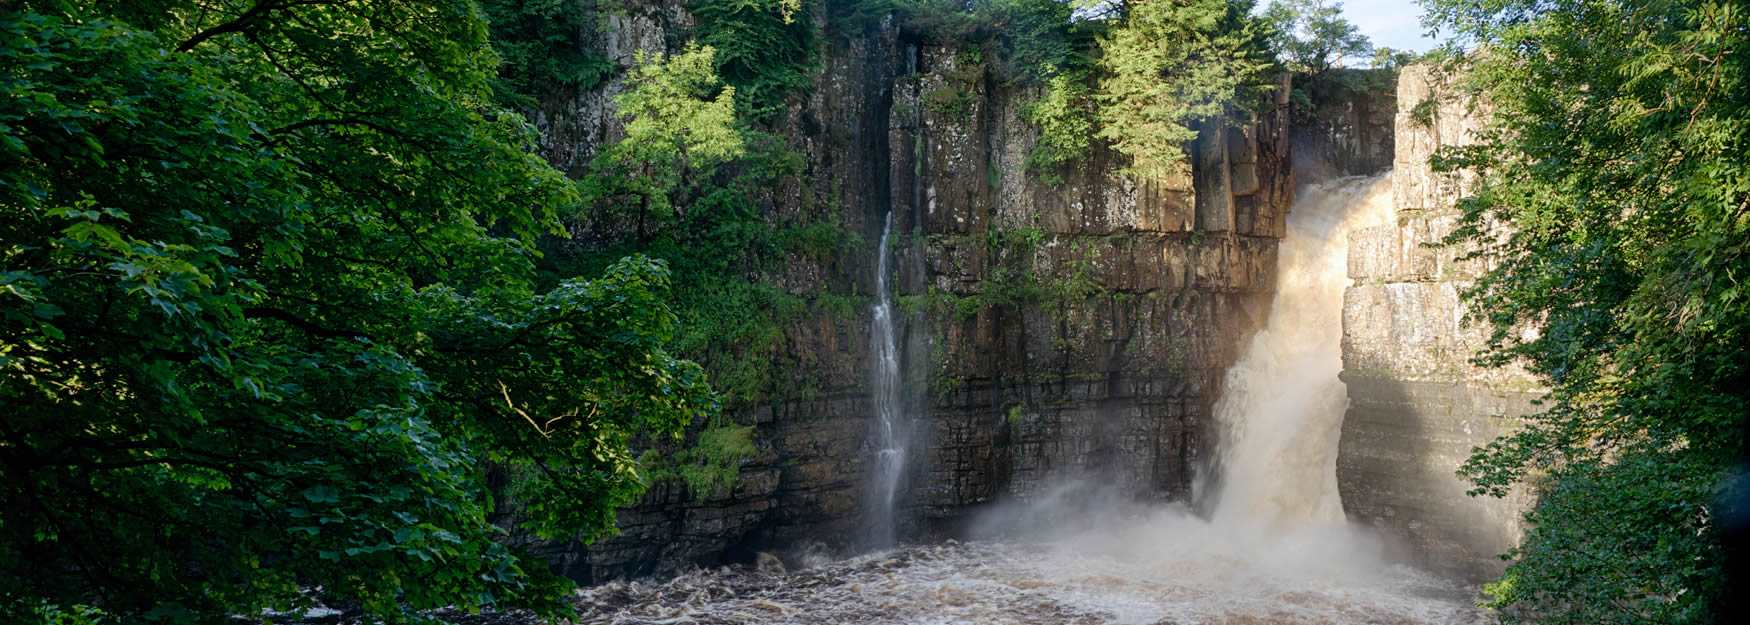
(1282, 407)
(888, 403)
(1275, 550)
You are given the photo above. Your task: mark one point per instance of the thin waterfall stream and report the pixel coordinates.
(887, 402)
(1274, 549)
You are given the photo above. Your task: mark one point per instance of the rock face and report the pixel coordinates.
(1093, 349)
(1114, 383)
(1343, 123)
(1417, 405)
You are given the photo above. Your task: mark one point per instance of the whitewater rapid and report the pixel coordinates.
(1133, 576)
(1274, 550)
(1282, 405)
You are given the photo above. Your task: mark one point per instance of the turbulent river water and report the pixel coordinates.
(1161, 570)
(1275, 548)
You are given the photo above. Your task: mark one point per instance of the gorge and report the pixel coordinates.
(1109, 371)
(1117, 389)
(1058, 312)
(1275, 546)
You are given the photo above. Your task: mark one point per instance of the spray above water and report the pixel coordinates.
(1282, 408)
(1276, 549)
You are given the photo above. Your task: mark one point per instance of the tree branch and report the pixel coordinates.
(302, 324)
(243, 22)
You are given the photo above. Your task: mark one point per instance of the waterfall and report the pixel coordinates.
(1275, 549)
(890, 428)
(1282, 408)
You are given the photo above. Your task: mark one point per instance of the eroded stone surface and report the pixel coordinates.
(1417, 403)
(1347, 127)
(1116, 385)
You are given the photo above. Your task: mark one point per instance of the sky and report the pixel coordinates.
(1393, 23)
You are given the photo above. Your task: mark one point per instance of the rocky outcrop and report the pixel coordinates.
(1417, 404)
(1112, 381)
(1342, 123)
(1104, 364)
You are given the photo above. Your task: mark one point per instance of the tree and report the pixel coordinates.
(765, 48)
(1617, 157)
(1312, 35)
(1168, 65)
(268, 315)
(543, 44)
(692, 182)
(680, 126)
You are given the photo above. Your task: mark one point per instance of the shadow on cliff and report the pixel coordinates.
(1397, 462)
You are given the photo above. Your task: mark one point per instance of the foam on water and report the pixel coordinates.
(1275, 550)
(1182, 580)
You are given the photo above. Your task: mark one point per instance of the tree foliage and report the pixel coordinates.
(1140, 76)
(1623, 180)
(545, 43)
(680, 126)
(689, 183)
(270, 313)
(1165, 66)
(1312, 36)
(766, 49)
(1065, 117)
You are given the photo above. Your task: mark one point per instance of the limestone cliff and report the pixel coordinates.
(1113, 379)
(1342, 123)
(1115, 385)
(1417, 404)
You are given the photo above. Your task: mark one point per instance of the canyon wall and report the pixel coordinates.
(1342, 123)
(1110, 374)
(1417, 404)
(1050, 332)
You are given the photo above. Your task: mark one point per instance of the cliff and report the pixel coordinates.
(1342, 122)
(1050, 332)
(1417, 404)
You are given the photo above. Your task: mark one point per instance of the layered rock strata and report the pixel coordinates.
(1094, 351)
(1417, 404)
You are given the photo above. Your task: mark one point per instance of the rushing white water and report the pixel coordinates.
(1275, 551)
(1134, 577)
(1282, 408)
(890, 430)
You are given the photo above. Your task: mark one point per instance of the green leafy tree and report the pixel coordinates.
(545, 43)
(689, 183)
(1312, 35)
(1617, 157)
(764, 48)
(1065, 117)
(680, 126)
(1165, 66)
(268, 315)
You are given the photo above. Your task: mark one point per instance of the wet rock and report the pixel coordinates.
(768, 564)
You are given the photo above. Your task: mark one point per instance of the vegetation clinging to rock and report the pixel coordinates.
(1165, 66)
(1616, 157)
